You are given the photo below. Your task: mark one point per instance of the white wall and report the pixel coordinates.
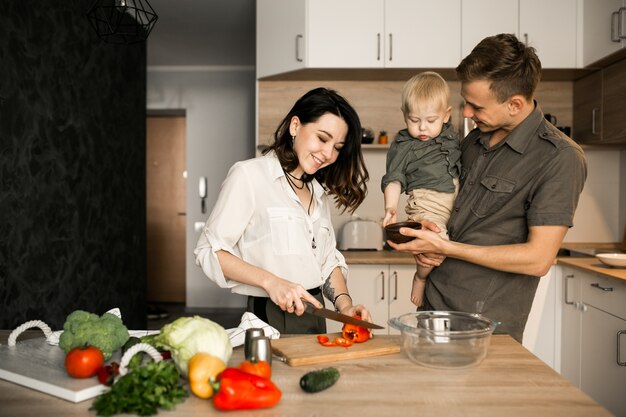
(601, 213)
(220, 109)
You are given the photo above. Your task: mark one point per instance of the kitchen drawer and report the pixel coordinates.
(604, 293)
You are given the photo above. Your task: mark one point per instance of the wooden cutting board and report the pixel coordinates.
(305, 350)
(35, 364)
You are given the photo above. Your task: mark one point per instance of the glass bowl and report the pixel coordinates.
(444, 339)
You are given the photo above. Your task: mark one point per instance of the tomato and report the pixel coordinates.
(260, 368)
(107, 374)
(83, 361)
(355, 333)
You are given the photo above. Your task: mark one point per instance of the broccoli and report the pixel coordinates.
(106, 332)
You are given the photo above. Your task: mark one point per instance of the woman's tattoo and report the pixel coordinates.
(328, 290)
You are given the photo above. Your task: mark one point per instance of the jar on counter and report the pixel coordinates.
(382, 138)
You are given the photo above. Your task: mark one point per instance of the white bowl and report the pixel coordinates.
(613, 259)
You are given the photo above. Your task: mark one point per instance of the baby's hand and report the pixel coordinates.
(390, 216)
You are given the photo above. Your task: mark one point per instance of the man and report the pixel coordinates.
(519, 187)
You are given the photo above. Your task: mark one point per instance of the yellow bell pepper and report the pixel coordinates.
(202, 370)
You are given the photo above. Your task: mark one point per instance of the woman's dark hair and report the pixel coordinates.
(509, 65)
(346, 178)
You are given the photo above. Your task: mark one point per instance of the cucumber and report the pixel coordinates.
(319, 380)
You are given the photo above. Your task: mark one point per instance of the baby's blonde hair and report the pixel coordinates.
(425, 86)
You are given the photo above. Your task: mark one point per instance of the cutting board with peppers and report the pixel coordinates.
(306, 349)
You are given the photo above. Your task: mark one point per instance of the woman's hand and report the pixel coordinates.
(357, 310)
(288, 296)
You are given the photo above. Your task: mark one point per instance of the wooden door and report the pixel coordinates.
(165, 212)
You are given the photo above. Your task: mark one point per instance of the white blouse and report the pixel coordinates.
(259, 218)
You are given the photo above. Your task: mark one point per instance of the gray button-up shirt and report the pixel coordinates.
(532, 178)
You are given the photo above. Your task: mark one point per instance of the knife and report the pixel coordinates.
(332, 315)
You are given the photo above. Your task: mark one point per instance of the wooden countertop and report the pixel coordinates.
(509, 382)
(585, 263)
(377, 257)
(594, 265)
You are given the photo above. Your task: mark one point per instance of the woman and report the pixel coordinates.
(270, 235)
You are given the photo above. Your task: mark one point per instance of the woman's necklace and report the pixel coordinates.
(294, 187)
(289, 176)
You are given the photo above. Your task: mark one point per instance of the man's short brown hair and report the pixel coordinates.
(509, 65)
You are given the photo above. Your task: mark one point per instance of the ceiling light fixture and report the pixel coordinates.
(122, 21)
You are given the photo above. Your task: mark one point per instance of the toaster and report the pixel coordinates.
(361, 235)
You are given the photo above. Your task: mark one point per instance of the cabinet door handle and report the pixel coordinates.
(378, 47)
(298, 39)
(614, 32)
(382, 281)
(566, 293)
(600, 287)
(395, 278)
(620, 27)
(594, 111)
(526, 39)
(390, 47)
(619, 334)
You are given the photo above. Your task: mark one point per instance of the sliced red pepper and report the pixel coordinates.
(239, 390)
(325, 341)
(340, 341)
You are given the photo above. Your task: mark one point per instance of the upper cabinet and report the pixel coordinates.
(602, 22)
(422, 33)
(295, 34)
(555, 42)
(482, 18)
(599, 106)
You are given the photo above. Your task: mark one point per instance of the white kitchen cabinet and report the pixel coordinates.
(384, 289)
(601, 377)
(539, 333)
(555, 42)
(422, 33)
(570, 304)
(296, 34)
(593, 336)
(598, 31)
(280, 30)
(482, 18)
(344, 34)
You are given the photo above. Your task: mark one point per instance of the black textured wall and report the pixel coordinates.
(72, 167)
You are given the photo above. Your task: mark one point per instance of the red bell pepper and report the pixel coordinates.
(239, 390)
(339, 341)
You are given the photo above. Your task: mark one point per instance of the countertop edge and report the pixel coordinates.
(589, 264)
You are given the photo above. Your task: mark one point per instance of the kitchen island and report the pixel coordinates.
(510, 382)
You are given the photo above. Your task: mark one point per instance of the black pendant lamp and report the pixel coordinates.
(122, 21)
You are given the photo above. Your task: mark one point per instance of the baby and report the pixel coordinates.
(424, 162)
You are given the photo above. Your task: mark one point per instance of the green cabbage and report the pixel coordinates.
(186, 336)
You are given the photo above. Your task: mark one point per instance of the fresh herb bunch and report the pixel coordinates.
(143, 391)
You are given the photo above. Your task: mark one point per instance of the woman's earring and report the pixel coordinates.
(293, 140)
